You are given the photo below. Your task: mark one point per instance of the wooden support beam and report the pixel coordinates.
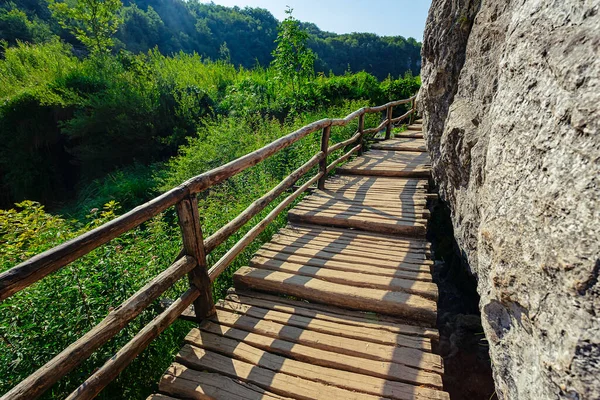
(323, 163)
(361, 134)
(189, 222)
(388, 127)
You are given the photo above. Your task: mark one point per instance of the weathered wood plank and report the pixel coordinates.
(188, 383)
(336, 247)
(373, 351)
(278, 383)
(381, 369)
(343, 243)
(355, 279)
(386, 302)
(405, 227)
(328, 327)
(408, 212)
(328, 376)
(290, 264)
(392, 240)
(306, 251)
(327, 251)
(330, 313)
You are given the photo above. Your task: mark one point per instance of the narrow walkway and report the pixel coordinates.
(340, 304)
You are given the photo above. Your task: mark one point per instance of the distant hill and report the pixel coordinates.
(243, 35)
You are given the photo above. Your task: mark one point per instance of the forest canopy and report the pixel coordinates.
(245, 35)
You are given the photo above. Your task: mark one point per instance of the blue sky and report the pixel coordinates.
(387, 18)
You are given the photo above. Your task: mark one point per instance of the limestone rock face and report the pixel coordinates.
(511, 108)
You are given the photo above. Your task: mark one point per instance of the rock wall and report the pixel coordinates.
(511, 108)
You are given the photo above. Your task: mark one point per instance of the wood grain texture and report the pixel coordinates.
(386, 302)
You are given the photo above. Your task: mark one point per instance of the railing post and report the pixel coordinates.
(323, 163)
(361, 131)
(412, 111)
(388, 127)
(193, 244)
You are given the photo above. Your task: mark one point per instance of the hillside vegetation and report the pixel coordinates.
(88, 132)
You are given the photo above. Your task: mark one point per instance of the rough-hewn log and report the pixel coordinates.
(41, 380)
(388, 118)
(217, 175)
(224, 262)
(115, 365)
(400, 118)
(343, 158)
(348, 118)
(361, 133)
(323, 163)
(43, 264)
(253, 209)
(193, 244)
(345, 143)
(377, 129)
(390, 104)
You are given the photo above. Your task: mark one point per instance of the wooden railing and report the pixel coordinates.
(192, 259)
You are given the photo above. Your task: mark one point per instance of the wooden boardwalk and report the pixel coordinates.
(340, 304)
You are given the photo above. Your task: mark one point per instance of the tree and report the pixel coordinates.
(292, 59)
(93, 22)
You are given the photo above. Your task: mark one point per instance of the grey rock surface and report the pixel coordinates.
(511, 108)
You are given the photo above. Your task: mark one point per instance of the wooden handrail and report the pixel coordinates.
(191, 260)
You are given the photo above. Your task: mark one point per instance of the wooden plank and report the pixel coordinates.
(41, 380)
(366, 214)
(365, 246)
(409, 212)
(316, 253)
(398, 147)
(341, 262)
(187, 383)
(327, 252)
(330, 313)
(417, 206)
(378, 182)
(279, 262)
(384, 172)
(330, 359)
(373, 351)
(352, 221)
(385, 302)
(328, 327)
(328, 376)
(415, 135)
(160, 397)
(335, 247)
(392, 240)
(356, 279)
(272, 381)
